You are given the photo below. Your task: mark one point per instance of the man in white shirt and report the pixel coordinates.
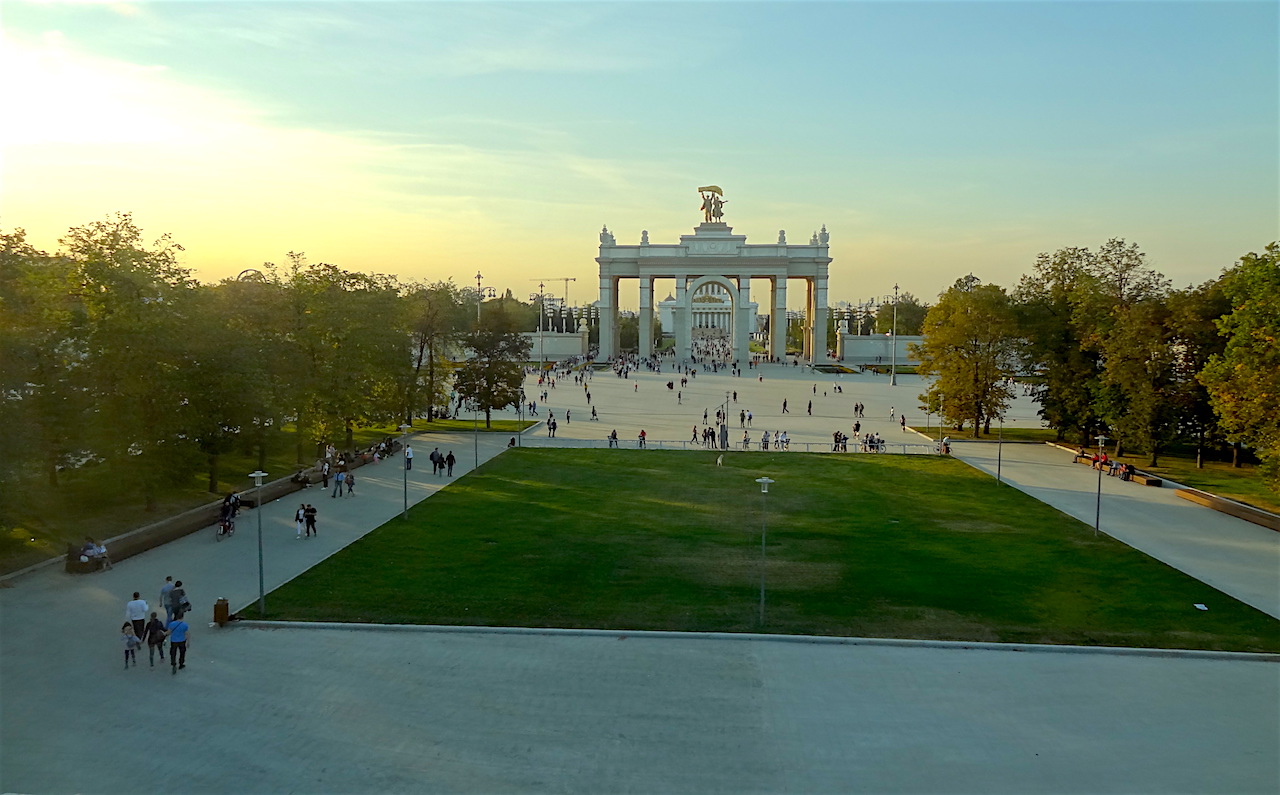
(408, 457)
(135, 612)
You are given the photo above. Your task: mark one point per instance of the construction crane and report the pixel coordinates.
(565, 279)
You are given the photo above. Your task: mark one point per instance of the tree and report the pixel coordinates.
(971, 346)
(1139, 369)
(1244, 380)
(42, 393)
(492, 378)
(1051, 343)
(346, 351)
(1194, 338)
(437, 316)
(135, 299)
(911, 314)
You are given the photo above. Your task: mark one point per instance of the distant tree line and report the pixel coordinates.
(1108, 347)
(111, 351)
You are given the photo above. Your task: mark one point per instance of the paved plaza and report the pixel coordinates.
(319, 710)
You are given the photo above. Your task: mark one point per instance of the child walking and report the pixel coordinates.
(131, 643)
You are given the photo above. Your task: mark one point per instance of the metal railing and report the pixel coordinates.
(890, 448)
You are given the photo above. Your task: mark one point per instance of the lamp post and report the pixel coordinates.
(941, 419)
(481, 294)
(1097, 508)
(893, 365)
(540, 296)
(764, 531)
(404, 436)
(1000, 448)
(257, 476)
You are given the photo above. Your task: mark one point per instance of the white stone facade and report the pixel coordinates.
(715, 262)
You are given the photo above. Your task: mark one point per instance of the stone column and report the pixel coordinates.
(820, 311)
(646, 317)
(608, 317)
(778, 323)
(742, 324)
(806, 348)
(682, 316)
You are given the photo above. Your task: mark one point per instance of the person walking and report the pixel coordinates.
(784, 406)
(135, 612)
(164, 598)
(892, 412)
(178, 600)
(178, 636)
(903, 423)
(338, 482)
(351, 484)
(153, 635)
(810, 408)
(300, 518)
(594, 417)
(449, 461)
(408, 456)
(309, 516)
(131, 644)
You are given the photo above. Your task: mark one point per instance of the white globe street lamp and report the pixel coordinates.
(764, 532)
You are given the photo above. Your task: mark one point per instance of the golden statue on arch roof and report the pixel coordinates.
(712, 204)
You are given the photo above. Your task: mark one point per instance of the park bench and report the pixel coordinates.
(74, 565)
(1138, 476)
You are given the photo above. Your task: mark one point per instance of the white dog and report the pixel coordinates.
(720, 460)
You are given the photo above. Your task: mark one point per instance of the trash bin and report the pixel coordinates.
(221, 611)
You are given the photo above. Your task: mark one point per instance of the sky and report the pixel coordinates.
(433, 140)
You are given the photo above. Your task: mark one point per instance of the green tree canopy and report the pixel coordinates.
(493, 377)
(970, 346)
(1244, 380)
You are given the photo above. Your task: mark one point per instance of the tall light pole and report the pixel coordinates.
(481, 294)
(541, 298)
(893, 366)
(1097, 508)
(941, 419)
(257, 476)
(1000, 448)
(764, 532)
(404, 437)
(243, 276)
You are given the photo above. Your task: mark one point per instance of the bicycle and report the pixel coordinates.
(225, 529)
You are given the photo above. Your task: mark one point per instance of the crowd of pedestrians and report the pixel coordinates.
(137, 630)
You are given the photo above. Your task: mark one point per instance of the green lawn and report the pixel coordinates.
(880, 546)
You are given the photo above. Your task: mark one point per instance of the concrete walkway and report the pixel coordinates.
(1236, 557)
(306, 710)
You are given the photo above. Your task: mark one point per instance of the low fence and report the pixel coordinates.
(893, 448)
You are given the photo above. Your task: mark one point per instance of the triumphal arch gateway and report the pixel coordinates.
(714, 257)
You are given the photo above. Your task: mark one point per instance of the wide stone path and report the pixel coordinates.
(311, 710)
